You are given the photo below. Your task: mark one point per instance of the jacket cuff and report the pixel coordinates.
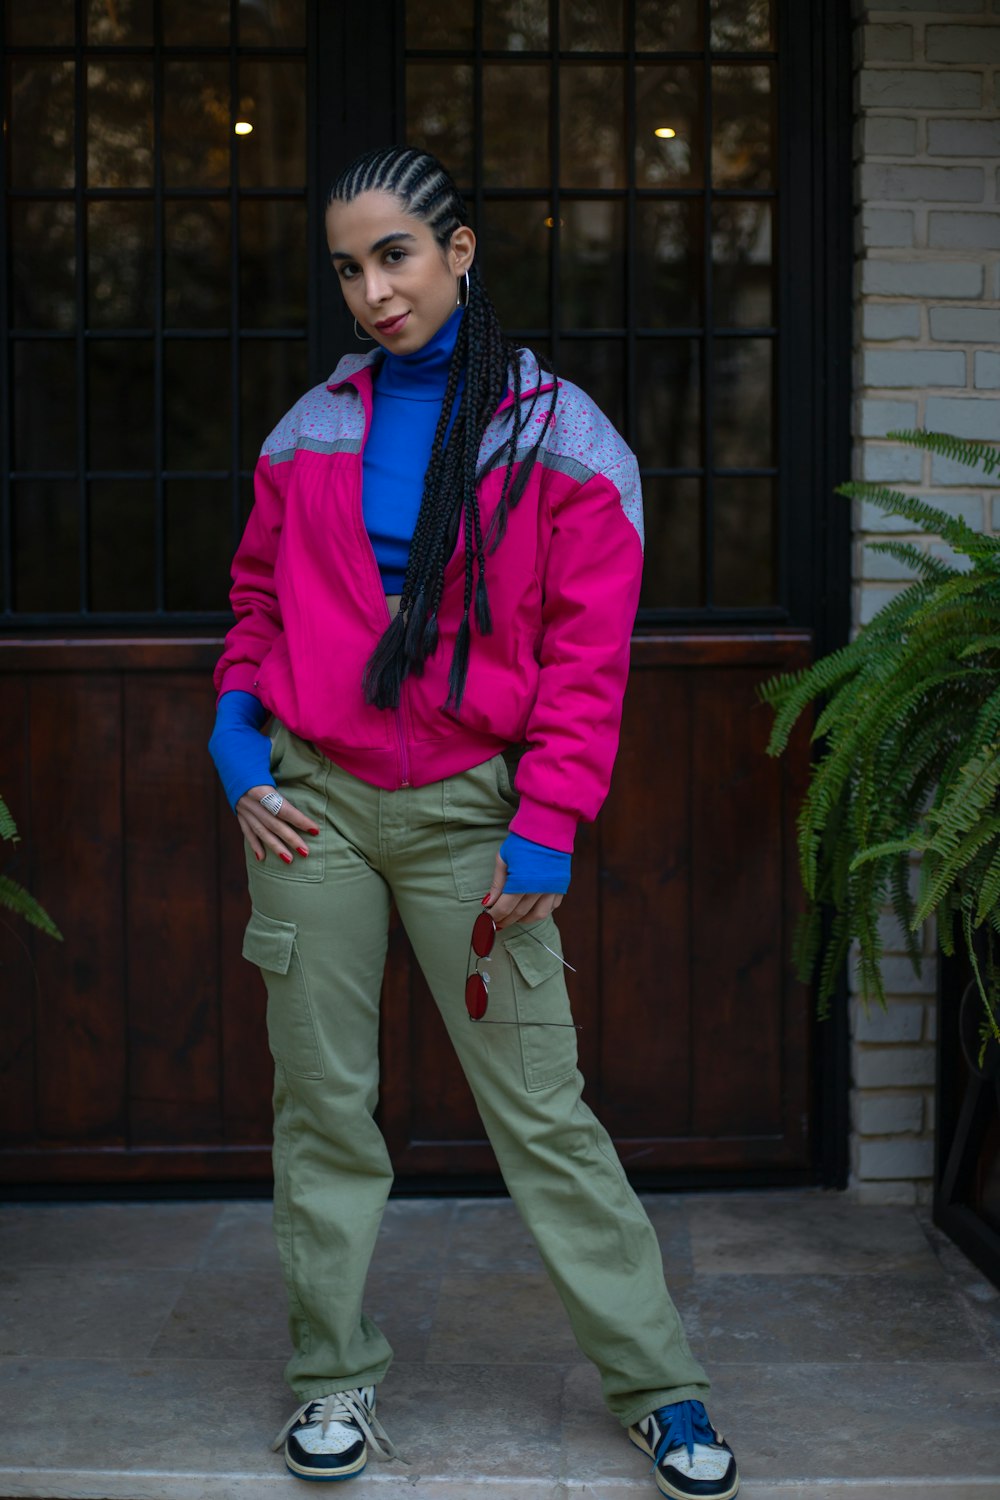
(241, 677)
(546, 825)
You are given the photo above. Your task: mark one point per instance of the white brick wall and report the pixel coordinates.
(927, 238)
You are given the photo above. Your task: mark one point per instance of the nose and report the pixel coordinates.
(377, 288)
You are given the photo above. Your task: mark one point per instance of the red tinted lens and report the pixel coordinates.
(484, 932)
(475, 997)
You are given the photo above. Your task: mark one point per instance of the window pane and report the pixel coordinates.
(668, 25)
(272, 378)
(190, 22)
(516, 125)
(591, 26)
(668, 264)
(742, 127)
(120, 265)
(122, 546)
(196, 265)
(741, 263)
(669, 98)
(273, 100)
(120, 124)
(516, 25)
(743, 423)
(741, 25)
(672, 573)
(120, 403)
(273, 264)
(196, 384)
(198, 544)
(592, 126)
(41, 134)
(272, 23)
(598, 365)
(45, 405)
(45, 23)
(125, 23)
(592, 265)
(439, 114)
(42, 265)
(669, 403)
(743, 536)
(46, 551)
(514, 245)
(443, 24)
(196, 123)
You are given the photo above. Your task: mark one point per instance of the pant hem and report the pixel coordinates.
(661, 1398)
(315, 1390)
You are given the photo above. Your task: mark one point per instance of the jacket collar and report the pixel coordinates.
(358, 370)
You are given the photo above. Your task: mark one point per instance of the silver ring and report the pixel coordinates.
(273, 801)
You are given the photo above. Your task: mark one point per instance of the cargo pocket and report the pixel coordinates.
(478, 806)
(300, 773)
(291, 1029)
(547, 1052)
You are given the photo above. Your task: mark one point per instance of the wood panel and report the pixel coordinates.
(17, 939)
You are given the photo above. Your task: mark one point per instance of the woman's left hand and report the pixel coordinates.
(533, 906)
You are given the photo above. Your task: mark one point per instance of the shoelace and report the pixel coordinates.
(343, 1406)
(682, 1423)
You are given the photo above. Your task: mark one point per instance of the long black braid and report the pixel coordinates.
(488, 360)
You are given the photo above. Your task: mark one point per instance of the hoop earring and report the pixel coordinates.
(364, 337)
(459, 301)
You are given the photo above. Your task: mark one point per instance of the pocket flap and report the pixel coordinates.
(268, 942)
(534, 961)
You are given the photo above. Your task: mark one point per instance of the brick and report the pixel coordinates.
(904, 184)
(885, 1194)
(869, 601)
(956, 560)
(889, 135)
(887, 88)
(968, 508)
(966, 325)
(886, 228)
(949, 471)
(899, 978)
(887, 43)
(967, 417)
(888, 1114)
(917, 367)
(891, 320)
(961, 231)
(951, 44)
(895, 1159)
(902, 1022)
(925, 1193)
(893, 1067)
(890, 464)
(963, 138)
(996, 513)
(880, 417)
(988, 369)
(922, 278)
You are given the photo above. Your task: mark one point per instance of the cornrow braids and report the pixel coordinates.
(487, 359)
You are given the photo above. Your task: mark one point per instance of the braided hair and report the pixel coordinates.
(425, 190)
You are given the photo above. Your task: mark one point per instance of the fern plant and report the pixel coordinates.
(908, 729)
(13, 896)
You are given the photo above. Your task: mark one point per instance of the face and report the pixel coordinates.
(396, 279)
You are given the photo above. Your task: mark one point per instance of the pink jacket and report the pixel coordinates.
(563, 588)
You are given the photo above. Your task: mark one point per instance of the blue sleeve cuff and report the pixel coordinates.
(533, 868)
(241, 753)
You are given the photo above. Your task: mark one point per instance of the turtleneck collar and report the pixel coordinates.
(423, 375)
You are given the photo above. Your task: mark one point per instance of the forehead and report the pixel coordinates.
(355, 226)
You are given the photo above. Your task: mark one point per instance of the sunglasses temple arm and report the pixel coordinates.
(552, 951)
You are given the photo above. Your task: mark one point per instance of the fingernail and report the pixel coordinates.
(486, 898)
(257, 857)
(302, 851)
(313, 831)
(286, 857)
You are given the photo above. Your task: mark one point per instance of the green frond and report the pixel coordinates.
(974, 454)
(924, 564)
(989, 890)
(8, 828)
(16, 899)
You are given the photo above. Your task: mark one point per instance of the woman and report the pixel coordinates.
(433, 598)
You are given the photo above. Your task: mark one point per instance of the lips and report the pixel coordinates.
(392, 325)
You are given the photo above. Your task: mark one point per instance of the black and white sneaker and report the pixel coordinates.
(690, 1456)
(329, 1438)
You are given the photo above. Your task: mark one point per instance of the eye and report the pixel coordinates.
(395, 255)
(347, 269)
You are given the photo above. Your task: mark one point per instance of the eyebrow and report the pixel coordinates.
(387, 239)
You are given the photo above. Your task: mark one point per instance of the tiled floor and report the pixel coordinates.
(854, 1352)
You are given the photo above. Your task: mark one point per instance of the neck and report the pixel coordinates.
(422, 375)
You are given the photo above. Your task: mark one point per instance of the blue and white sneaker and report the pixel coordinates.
(690, 1456)
(329, 1438)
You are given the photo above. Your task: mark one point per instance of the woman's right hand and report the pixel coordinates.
(281, 832)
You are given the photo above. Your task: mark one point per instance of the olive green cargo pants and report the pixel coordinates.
(318, 932)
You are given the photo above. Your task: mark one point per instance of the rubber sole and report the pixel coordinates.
(323, 1476)
(636, 1438)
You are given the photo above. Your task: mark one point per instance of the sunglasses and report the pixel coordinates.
(477, 986)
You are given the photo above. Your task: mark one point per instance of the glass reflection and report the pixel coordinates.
(196, 417)
(592, 25)
(673, 570)
(119, 263)
(44, 429)
(190, 23)
(742, 127)
(744, 571)
(43, 23)
(741, 25)
(514, 246)
(516, 25)
(592, 264)
(741, 263)
(669, 403)
(42, 151)
(272, 23)
(439, 24)
(120, 403)
(122, 546)
(592, 126)
(119, 23)
(45, 527)
(669, 264)
(669, 98)
(439, 114)
(598, 365)
(196, 264)
(272, 377)
(742, 376)
(273, 264)
(198, 544)
(273, 100)
(42, 265)
(196, 123)
(120, 124)
(516, 125)
(668, 25)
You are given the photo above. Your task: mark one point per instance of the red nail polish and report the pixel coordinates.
(286, 857)
(302, 851)
(257, 857)
(313, 831)
(485, 898)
